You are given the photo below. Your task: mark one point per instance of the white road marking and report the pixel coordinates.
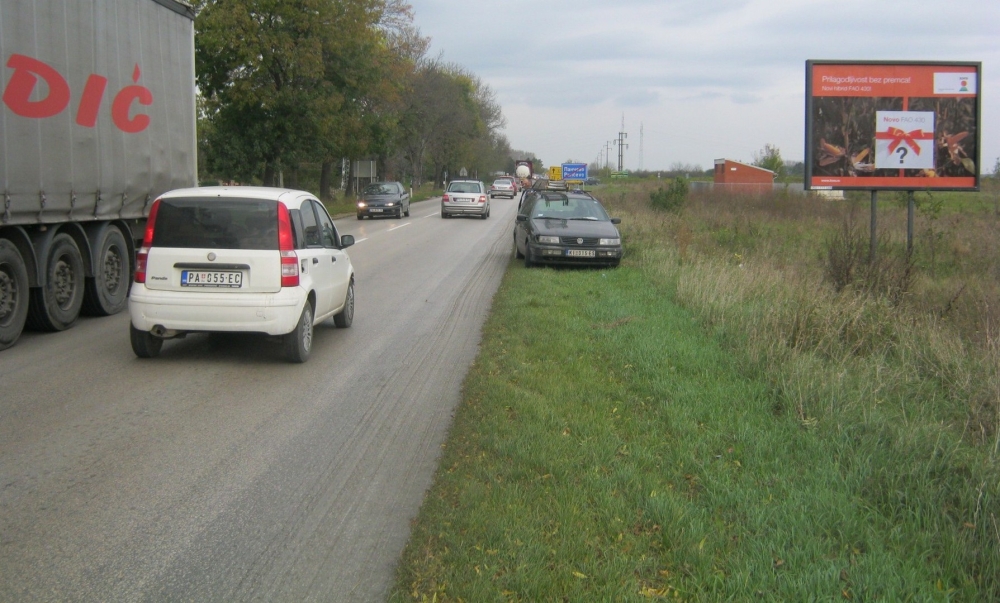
(400, 226)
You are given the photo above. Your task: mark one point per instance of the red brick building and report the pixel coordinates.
(741, 177)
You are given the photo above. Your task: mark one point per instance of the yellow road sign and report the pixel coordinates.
(555, 172)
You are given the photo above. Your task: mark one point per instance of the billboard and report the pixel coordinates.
(876, 125)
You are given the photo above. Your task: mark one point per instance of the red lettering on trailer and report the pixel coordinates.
(123, 102)
(27, 72)
(90, 102)
(17, 96)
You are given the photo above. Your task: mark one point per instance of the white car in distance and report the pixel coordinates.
(239, 259)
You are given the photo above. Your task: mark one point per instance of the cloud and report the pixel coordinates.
(725, 76)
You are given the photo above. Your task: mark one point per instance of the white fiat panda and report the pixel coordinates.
(239, 259)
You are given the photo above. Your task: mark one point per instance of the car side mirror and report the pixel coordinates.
(522, 218)
(346, 241)
(616, 220)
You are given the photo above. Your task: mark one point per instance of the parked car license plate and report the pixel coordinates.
(375, 210)
(580, 253)
(203, 278)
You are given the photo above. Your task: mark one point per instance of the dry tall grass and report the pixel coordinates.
(907, 339)
(897, 363)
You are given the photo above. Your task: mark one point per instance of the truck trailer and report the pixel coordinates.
(97, 119)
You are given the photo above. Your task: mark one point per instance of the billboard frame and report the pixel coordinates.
(876, 182)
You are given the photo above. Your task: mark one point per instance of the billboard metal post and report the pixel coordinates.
(873, 242)
(909, 224)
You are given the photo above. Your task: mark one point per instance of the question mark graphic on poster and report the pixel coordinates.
(902, 153)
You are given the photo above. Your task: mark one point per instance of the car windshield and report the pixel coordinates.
(202, 223)
(501, 182)
(464, 187)
(381, 189)
(570, 208)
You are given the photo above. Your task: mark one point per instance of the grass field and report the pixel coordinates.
(746, 409)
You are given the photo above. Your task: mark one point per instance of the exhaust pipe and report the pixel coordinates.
(163, 332)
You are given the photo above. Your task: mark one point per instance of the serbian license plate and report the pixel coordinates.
(375, 210)
(580, 253)
(202, 278)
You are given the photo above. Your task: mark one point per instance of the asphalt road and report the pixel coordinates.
(219, 472)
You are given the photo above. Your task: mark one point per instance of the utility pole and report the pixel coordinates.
(622, 146)
(640, 146)
(607, 155)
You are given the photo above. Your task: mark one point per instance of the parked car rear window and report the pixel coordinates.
(217, 224)
(464, 187)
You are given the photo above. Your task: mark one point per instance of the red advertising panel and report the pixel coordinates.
(892, 126)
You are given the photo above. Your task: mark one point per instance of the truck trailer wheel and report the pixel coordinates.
(13, 294)
(56, 305)
(107, 292)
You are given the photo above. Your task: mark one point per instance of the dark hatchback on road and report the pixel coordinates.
(569, 228)
(384, 199)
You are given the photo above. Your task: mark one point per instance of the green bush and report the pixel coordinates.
(671, 198)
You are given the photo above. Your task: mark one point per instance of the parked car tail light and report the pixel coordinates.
(445, 198)
(286, 247)
(142, 255)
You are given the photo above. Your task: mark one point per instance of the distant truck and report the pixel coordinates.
(524, 169)
(97, 119)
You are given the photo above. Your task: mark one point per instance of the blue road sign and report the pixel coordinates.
(574, 171)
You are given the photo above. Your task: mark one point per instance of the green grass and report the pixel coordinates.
(706, 423)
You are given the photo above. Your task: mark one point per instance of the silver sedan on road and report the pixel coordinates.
(465, 198)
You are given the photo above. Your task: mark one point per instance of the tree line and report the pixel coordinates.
(287, 83)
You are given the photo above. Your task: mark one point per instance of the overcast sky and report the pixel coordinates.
(704, 79)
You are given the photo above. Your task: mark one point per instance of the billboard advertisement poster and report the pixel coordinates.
(876, 125)
(904, 140)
